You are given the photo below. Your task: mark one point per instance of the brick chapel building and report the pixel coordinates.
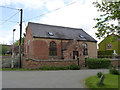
(56, 45)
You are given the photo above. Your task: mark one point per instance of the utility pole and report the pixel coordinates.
(20, 37)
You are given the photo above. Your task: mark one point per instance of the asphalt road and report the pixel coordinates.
(47, 79)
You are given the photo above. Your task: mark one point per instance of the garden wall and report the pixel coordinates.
(6, 61)
(36, 64)
(115, 62)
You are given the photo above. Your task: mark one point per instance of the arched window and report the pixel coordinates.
(85, 52)
(53, 49)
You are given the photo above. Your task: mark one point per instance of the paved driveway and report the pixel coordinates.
(47, 79)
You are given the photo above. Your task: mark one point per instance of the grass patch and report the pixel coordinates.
(110, 81)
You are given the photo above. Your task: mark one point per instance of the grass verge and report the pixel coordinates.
(110, 81)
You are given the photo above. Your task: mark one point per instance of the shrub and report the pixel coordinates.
(74, 67)
(105, 54)
(4, 49)
(94, 63)
(53, 68)
(114, 71)
(99, 74)
(71, 67)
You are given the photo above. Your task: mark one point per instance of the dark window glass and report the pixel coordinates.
(53, 49)
(85, 49)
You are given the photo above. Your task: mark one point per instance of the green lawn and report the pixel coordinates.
(110, 81)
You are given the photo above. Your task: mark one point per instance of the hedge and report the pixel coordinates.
(71, 67)
(94, 63)
(105, 54)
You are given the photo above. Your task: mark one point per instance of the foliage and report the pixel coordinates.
(17, 42)
(4, 49)
(22, 39)
(53, 68)
(74, 67)
(99, 74)
(111, 39)
(71, 67)
(95, 63)
(110, 12)
(111, 81)
(105, 54)
(114, 71)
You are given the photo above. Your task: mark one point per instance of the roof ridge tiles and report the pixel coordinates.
(56, 26)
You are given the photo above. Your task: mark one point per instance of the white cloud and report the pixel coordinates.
(53, 4)
(6, 36)
(29, 4)
(77, 15)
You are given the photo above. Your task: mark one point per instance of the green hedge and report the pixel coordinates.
(94, 63)
(105, 54)
(71, 67)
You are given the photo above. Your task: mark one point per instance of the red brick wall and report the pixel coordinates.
(29, 36)
(32, 64)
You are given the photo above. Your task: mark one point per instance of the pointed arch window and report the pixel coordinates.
(85, 49)
(53, 49)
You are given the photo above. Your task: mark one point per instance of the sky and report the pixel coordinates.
(69, 13)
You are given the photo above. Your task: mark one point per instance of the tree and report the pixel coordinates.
(17, 42)
(22, 39)
(4, 49)
(110, 12)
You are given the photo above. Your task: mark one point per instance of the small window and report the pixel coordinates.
(81, 36)
(109, 46)
(50, 33)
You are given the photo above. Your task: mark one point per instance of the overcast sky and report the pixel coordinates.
(77, 15)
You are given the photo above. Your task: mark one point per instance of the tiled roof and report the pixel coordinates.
(58, 32)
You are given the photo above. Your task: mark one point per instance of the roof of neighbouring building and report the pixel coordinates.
(58, 32)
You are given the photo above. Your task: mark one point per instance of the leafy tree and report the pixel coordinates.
(110, 12)
(17, 42)
(4, 49)
(22, 39)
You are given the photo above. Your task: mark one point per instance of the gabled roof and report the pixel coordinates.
(59, 32)
(111, 35)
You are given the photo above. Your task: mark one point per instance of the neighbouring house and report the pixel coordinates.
(56, 46)
(109, 44)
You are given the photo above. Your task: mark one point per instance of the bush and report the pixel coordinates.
(74, 67)
(99, 74)
(114, 71)
(53, 68)
(105, 54)
(71, 67)
(4, 49)
(94, 63)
